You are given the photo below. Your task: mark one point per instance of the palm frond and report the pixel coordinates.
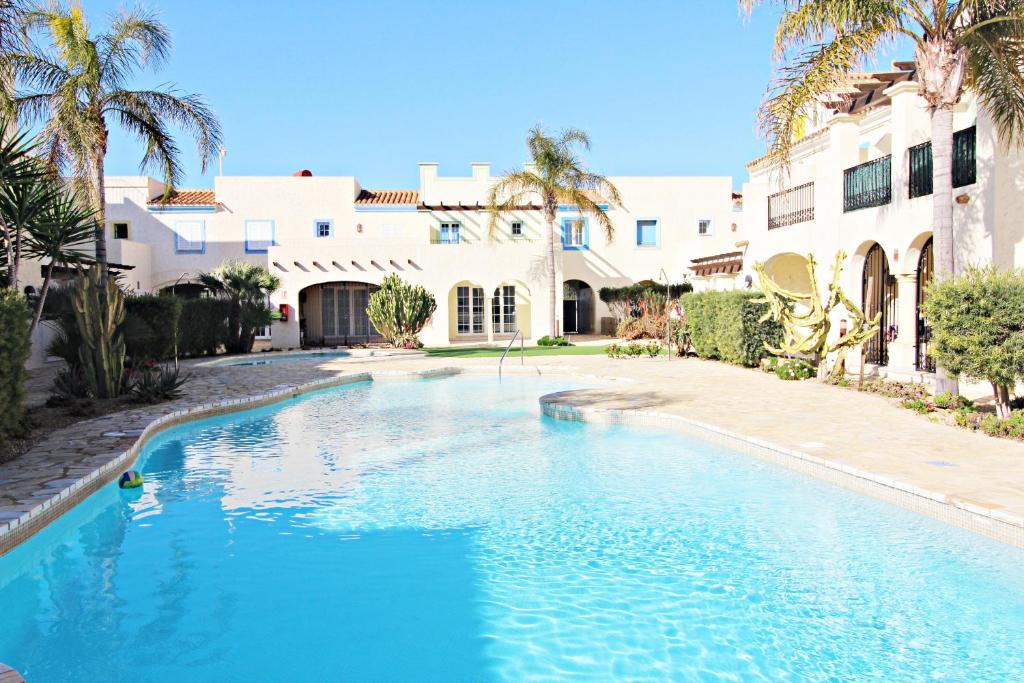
(995, 65)
(509, 194)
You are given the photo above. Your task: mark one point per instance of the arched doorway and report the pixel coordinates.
(925, 272)
(334, 314)
(577, 307)
(878, 295)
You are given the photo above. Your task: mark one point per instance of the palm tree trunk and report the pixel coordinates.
(9, 248)
(42, 298)
(552, 277)
(100, 204)
(942, 214)
(15, 258)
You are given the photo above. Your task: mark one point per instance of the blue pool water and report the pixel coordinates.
(444, 530)
(274, 358)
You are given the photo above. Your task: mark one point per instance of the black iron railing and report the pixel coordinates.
(921, 173)
(965, 165)
(868, 185)
(795, 205)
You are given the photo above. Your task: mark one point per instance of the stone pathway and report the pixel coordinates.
(861, 431)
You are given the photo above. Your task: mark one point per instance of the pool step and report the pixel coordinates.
(9, 675)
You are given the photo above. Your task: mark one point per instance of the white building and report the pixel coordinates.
(332, 241)
(860, 182)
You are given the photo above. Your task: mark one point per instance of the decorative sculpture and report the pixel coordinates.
(806, 321)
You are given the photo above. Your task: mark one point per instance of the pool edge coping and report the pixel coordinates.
(14, 532)
(993, 523)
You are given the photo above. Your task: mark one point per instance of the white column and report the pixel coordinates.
(901, 349)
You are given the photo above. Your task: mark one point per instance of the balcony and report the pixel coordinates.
(965, 168)
(867, 185)
(788, 207)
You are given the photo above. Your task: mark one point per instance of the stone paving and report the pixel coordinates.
(859, 431)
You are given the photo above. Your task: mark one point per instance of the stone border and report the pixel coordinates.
(16, 531)
(993, 523)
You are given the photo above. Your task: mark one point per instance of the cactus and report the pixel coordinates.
(102, 351)
(807, 331)
(400, 310)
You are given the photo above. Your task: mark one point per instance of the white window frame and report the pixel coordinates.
(255, 246)
(447, 229)
(577, 236)
(323, 221)
(710, 231)
(187, 243)
(472, 310)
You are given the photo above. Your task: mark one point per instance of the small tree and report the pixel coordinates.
(977, 322)
(246, 286)
(400, 310)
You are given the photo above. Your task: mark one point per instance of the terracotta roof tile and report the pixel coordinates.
(187, 198)
(388, 197)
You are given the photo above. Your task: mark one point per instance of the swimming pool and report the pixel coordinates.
(273, 358)
(443, 530)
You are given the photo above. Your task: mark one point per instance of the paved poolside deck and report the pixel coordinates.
(848, 430)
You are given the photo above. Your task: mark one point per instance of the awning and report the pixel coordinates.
(729, 263)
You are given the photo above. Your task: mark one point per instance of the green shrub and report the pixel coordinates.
(919, 405)
(728, 326)
(794, 369)
(976, 328)
(15, 347)
(556, 341)
(203, 326)
(151, 323)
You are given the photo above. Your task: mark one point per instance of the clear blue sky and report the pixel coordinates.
(372, 88)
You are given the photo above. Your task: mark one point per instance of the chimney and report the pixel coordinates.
(481, 170)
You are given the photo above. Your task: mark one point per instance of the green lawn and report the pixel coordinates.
(491, 352)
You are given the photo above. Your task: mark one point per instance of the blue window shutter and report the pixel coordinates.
(565, 239)
(586, 234)
(639, 233)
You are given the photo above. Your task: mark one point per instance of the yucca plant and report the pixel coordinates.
(558, 176)
(99, 314)
(975, 45)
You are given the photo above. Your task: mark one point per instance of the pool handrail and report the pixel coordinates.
(522, 351)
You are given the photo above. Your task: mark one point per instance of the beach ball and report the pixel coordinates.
(130, 480)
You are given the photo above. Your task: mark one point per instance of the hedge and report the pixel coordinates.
(15, 347)
(151, 323)
(203, 326)
(727, 326)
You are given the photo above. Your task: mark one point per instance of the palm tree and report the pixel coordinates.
(65, 225)
(557, 176)
(77, 86)
(975, 45)
(21, 178)
(246, 286)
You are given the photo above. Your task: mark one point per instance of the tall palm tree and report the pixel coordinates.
(77, 85)
(22, 177)
(12, 20)
(975, 45)
(64, 227)
(246, 286)
(557, 176)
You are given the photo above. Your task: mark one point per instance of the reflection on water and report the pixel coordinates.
(444, 530)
